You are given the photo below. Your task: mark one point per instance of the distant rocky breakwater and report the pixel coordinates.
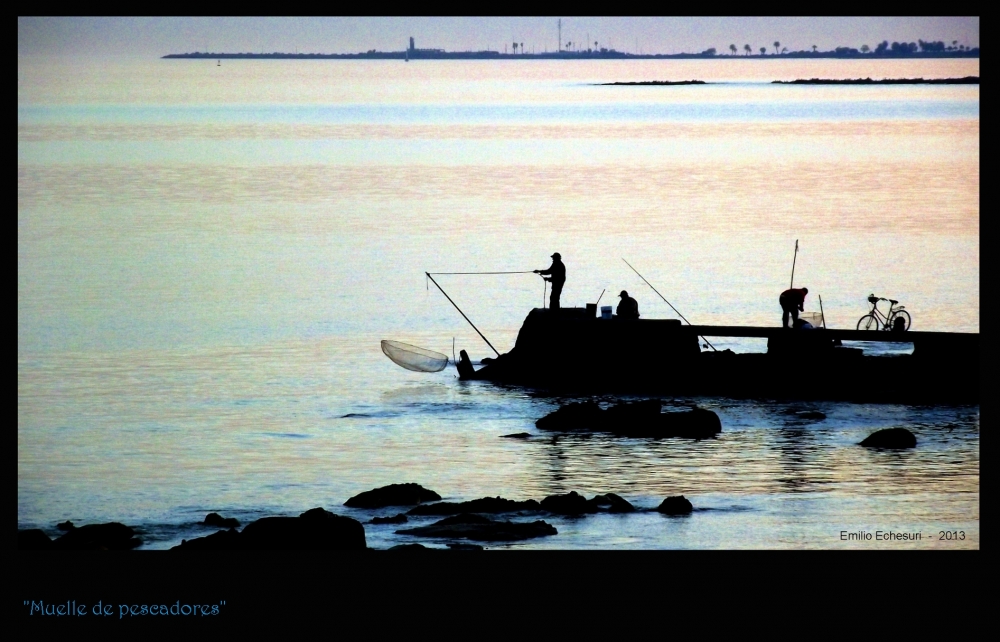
(484, 520)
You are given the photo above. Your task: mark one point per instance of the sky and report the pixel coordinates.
(154, 37)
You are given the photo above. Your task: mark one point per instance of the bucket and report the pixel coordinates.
(591, 310)
(605, 311)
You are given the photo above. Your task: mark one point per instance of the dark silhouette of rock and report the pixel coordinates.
(65, 526)
(677, 505)
(458, 546)
(218, 541)
(112, 537)
(33, 539)
(482, 505)
(214, 519)
(633, 419)
(313, 530)
(585, 415)
(393, 495)
(483, 529)
(569, 504)
(409, 547)
(611, 503)
(396, 519)
(891, 438)
(518, 435)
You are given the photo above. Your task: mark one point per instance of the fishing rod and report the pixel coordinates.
(795, 256)
(599, 298)
(462, 313)
(667, 302)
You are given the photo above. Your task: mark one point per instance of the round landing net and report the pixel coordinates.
(414, 358)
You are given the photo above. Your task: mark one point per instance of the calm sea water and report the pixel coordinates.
(209, 255)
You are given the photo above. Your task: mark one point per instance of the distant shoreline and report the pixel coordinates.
(419, 54)
(968, 80)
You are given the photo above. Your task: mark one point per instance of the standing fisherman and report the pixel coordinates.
(792, 302)
(557, 276)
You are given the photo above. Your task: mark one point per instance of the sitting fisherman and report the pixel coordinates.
(628, 308)
(792, 302)
(557, 276)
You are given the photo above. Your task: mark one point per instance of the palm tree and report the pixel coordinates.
(784, 50)
(864, 49)
(732, 48)
(814, 48)
(776, 45)
(522, 48)
(747, 49)
(515, 48)
(763, 50)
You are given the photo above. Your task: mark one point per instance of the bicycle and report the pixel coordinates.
(878, 320)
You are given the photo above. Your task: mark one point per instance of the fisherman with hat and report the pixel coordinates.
(628, 308)
(557, 276)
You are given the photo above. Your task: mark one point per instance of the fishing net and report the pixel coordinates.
(813, 318)
(414, 358)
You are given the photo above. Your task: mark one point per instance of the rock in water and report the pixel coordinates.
(397, 519)
(214, 519)
(93, 537)
(483, 529)
(569, 504)
(678, 505)
(313, 530)
(586, 415)
(612, 503)
(891, 438)
(393, 495)
(482, 505)
(218, 541)
(66, 526)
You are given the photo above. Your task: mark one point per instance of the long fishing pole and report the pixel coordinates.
(795, 256)
(523, 272)
(462, 313)
(667, 302)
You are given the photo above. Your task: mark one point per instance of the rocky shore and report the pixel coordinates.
(462, 523)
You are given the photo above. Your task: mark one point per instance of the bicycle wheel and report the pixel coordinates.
(901, 314)
(869, 322)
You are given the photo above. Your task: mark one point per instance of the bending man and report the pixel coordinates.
(557, 276)
(792, 302)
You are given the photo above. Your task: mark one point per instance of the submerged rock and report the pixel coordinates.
(33, 539)
(482, 505)
(112, 536)
(393, 495)
(395, 519)
(214, 519)
(890, 438)
(483, 529)
(678, 505)
(313, 530)
(517, 435)
(569, 504)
